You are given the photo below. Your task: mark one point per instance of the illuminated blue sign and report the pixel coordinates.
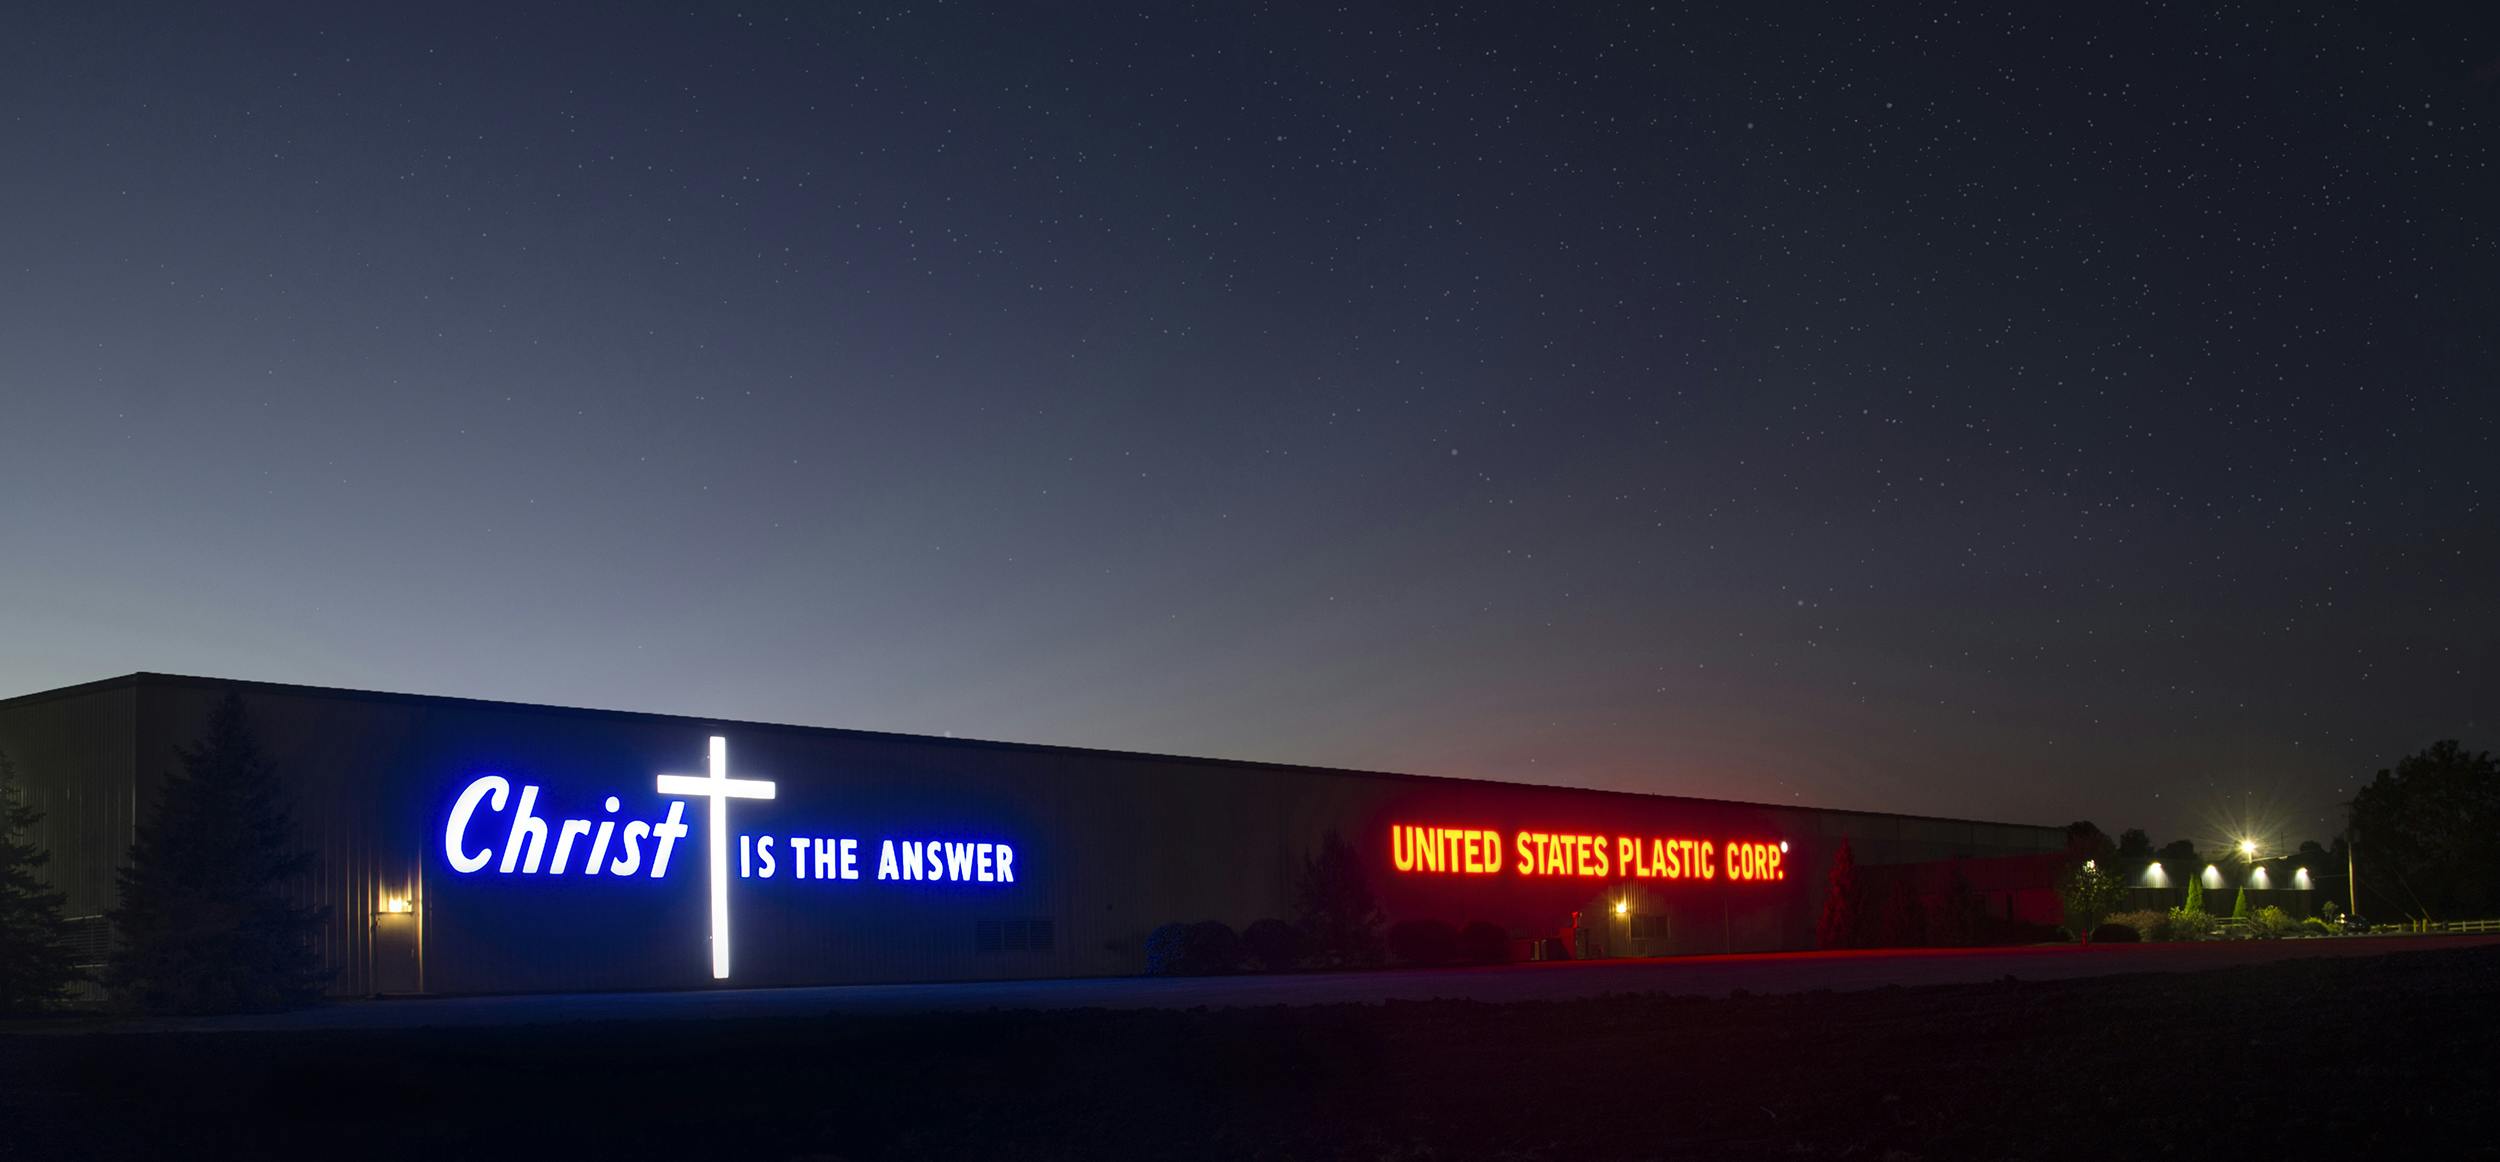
(522, 838)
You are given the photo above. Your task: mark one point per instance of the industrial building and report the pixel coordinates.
(469, 846)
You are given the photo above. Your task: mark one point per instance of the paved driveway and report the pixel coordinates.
(1692, 976)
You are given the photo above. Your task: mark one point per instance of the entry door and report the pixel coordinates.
(396, 951)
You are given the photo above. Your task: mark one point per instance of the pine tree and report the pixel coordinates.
(1842, 905)
(2196, 895)
(2239, 909)
(35, 965)
(208, 920)
(1333, 901)
(1905, 916)
(1957, 921)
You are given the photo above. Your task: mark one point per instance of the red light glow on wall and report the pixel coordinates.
(1481, 851)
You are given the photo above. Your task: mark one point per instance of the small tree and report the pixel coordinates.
(208, 918)
(35, 965)
(2239, 908)
(2089, 895)
(1905, 918)
(2196, 894)
(1842, 903)
(1957, 916)
(1333, 901)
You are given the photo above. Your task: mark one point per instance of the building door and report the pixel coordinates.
(398, 949)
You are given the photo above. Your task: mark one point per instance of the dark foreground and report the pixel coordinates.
(2346, 1056)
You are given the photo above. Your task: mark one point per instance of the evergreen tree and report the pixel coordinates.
(2239, 910)
(1843, 903)
(2196, 893)
(1333, 900)
(208, 920)
(34, 964)
(1957, 919)
(1905, 916)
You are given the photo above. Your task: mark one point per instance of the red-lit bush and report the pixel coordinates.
(1482, 943)
(1423, 942)
(1271, 945)
(1844, 908)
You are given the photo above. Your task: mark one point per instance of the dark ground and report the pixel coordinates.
(2357, 1057)
(1684, 976)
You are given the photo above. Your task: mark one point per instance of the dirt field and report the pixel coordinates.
(2348, 1056)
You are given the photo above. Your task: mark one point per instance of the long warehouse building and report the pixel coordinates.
(467, 846)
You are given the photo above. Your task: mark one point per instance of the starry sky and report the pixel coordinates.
(2038, 413)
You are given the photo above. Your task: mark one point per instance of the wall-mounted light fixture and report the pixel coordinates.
(398, 905)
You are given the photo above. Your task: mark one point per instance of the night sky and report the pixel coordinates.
(2074, 411)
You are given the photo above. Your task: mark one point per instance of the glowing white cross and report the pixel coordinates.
(720, 789)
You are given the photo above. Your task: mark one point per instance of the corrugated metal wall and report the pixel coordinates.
(1110, 845)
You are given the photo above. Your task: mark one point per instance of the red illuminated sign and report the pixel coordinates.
(1483, 851)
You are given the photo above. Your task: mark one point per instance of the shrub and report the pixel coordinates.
(1997, 930)
(2316, 927)
(1482, 943)
(1272, 945)
(2188, 924)
(1166, 948)
(2148, 925)
(2272, 921)
(1842, 906)
(1213, 947)
(2239, 909)
(2111, 933)
(1423, 942)
(1199, 949)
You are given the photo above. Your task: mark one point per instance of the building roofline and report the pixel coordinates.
(151, 678)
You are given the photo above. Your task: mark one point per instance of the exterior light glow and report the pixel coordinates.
(2248, 847)
(1622, 907)
(398, 906)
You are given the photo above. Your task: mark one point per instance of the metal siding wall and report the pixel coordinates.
(74, 760)
(1110, 845)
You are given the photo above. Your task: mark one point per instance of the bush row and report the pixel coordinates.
(2181, 924)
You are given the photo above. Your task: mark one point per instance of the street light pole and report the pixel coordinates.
(2352, 877)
